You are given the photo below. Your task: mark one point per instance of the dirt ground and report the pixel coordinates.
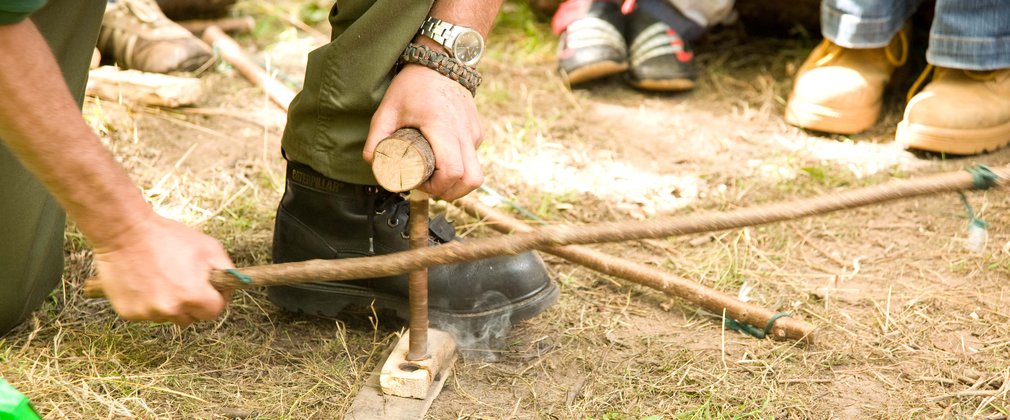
(910, 323)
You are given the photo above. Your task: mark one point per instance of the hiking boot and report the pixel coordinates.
(840, 90)
(139, 36)
(320, 218)
(660, 59)
(591, 45)
(959, 112)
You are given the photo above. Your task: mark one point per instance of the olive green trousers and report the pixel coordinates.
(31, 222)
(344, 82)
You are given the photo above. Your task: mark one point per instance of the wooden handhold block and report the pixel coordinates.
(403, 161)
(413, 379)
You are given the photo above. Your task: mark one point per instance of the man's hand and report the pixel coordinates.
(158, 270)
(152, 268)
(445, 113)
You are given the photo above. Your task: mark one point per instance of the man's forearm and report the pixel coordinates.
(476, 14)
(42, 125)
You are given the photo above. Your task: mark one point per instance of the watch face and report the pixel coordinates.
(468, 48)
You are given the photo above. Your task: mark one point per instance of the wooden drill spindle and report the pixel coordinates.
(402, 162)
(417, 280)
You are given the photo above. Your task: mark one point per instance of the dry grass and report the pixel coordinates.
(912, 325)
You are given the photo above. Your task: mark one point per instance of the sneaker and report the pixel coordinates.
(660, 59)
(320, 218)
(959, 112)
(840, 90)
(591, 44)
(137, 35)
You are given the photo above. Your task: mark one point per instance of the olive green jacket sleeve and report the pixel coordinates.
(14, 11)
(344, 83)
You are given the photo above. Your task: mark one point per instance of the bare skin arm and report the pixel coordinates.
(453, 126)
(153, 268)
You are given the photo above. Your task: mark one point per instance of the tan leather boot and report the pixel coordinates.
(840, 90)
(959, 112)
(139, 36)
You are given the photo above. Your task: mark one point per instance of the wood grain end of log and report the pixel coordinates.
(403, 161)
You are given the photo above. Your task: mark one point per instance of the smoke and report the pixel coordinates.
(481, 337)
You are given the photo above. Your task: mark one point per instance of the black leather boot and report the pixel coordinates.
(320, 218)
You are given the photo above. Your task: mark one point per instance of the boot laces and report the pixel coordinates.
(381, 202)
(919, 81)
(901, 59)
(931, 70)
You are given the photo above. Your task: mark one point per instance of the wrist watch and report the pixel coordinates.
(463, 43)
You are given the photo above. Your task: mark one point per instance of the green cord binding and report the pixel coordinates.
(238, 275)
(972, 218)
(982, 177)
(751, 330)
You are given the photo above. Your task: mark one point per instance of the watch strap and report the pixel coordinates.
(438, 30)
(444, 64)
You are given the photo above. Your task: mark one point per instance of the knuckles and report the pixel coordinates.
(473, 180)
(451, 172)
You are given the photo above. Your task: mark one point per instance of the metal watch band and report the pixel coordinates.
(442, 63)
(438, 30)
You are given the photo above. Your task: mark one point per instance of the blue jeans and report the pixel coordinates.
(966, 34)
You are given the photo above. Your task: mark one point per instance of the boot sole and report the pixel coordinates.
(955, 141)
(331, 299)
(831, 120)
(668, 85)
(590, 72)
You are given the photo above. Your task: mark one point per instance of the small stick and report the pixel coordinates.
(232, 53)
(417, 280)
(712, 300)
